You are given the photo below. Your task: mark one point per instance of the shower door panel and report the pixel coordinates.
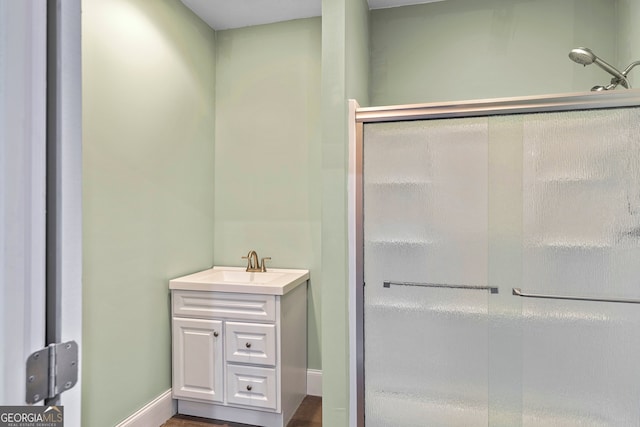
(425, 226)
(581, 223)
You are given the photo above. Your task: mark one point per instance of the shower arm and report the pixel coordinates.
(630, 67)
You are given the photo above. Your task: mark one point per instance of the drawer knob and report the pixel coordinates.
(215, 333)
(248, 345)
(249, 388)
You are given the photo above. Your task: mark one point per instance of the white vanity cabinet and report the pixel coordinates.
(239, 356)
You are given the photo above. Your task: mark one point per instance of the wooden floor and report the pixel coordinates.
(309, 414)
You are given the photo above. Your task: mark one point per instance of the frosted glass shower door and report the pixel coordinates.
(581, 238)
(547, 207)
(425, 251)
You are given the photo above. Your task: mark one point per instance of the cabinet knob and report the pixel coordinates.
(215, 333)
(249, 388)
(248, 345)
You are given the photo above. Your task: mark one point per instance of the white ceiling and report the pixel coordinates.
(225, 14)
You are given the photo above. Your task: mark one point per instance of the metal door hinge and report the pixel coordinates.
(52, 370)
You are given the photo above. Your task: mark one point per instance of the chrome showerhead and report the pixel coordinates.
(584, 56)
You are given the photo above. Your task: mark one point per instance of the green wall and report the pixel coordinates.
(148, 186)
(268, 153)
(628, 38)
(345, 26)
(471, 49)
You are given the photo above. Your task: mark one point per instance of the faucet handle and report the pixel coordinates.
(263, 268)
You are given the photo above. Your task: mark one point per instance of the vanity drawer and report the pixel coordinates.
(224, 305)
(250, 343)
(251, 386)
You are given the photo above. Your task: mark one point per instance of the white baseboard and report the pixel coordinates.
(154, 413)
(160, 409)
(314, 382)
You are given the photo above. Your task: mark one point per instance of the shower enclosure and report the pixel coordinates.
(497, 263)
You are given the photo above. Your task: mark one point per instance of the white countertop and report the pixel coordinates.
(275, 281)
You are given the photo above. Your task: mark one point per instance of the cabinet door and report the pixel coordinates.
(197, 359)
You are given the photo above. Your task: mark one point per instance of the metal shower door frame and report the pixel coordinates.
(358, 117)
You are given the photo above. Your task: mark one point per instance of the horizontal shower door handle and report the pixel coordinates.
(520, 293)
(493, 290)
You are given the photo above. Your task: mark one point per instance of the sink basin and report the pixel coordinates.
(276, 281)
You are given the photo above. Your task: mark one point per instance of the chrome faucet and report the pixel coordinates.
(253, 265)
